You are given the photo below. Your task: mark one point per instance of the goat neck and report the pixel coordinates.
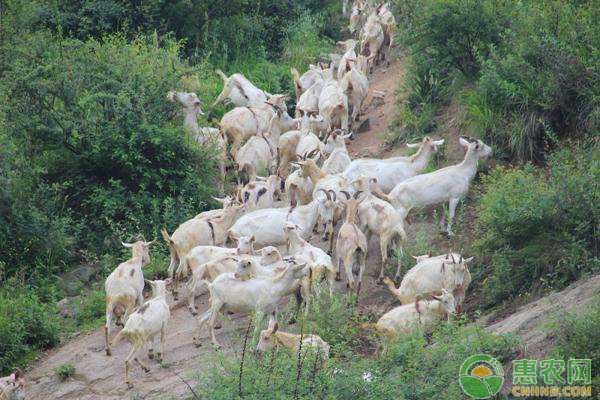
(421, 157)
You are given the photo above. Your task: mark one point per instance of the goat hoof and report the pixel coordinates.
(230, 312)
(108, 352)
(193, 311)
(218, 326)
(129, 385)
(146, 370)
(292, 321)
(380, 280)
(151, 355)
(338, 277)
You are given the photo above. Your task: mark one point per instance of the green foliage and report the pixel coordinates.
(92, 308)
(537, 230)
(97, 129)
(26, 325)
(579, 336)
(224, 31)
(65, 371)
(407, 368)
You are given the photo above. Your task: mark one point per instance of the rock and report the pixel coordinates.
(364, 125)
(67, 307)
(73, 281)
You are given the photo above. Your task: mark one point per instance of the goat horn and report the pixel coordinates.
(326, 193)
(346, 194)
(333, 195)
(453, 261)
(447, 256)
(461, 259)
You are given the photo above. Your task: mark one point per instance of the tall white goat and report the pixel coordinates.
(447, 184)
(391, 171)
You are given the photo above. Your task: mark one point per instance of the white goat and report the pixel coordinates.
(308, 102)
(377, 216)
(239, 91)
(241, 123)
(299, 187)
(351, 243)
(272, 337)
(407, 318)
(447, 184)
(261, 193)
(356, 86)
(261, 265)
(124, 287)
(202, 135)
(196, 231)
(391, 171)
(302, 83)
(268, 224)
(388, 23)
(333, 106)
(144, 324)
(432, 274)
(372, 39)
(317, 260)
(348, 58)
(258, 154)
(335, 149)
(260, 294)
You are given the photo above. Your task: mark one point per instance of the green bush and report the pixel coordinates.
(65, 371)
(26, 325)
(537, 229)
(409, 368)
(95, 127)
(579, 337)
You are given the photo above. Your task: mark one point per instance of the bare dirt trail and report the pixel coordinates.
(99, 377)
(380, 109)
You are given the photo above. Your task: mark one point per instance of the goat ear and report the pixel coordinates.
(463, 142)
(413, 145)
(128, 245)
(150, 243)
(252, 238)
(149, 282)
(415, 257)
(468, 260)
(438, 142)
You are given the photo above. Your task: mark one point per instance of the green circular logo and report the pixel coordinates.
(481, 376)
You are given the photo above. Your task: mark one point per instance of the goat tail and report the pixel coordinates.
(222, 75)
(295, 75)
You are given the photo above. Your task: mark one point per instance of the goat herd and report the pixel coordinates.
(282, 211)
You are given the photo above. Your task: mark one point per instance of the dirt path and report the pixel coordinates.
(379, 110)
(99, 377)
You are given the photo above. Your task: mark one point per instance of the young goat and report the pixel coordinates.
(144, 324)
(124, 287)
(272, 337)
(351, 243)
(407, 318)
(379, 217)
(261, 193)
(447, 184)
(229, 292)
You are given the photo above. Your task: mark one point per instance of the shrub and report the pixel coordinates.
(26, 325)
(579, 337)
(409, 369)
(537, 230)
(65, 371)
(97, 129)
